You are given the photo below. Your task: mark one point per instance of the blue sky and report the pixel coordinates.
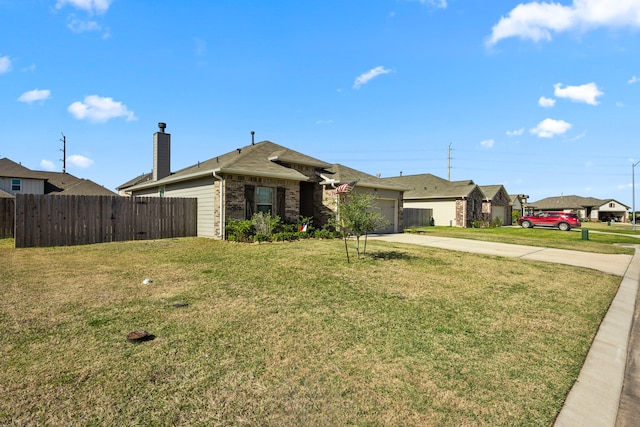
(542, 97)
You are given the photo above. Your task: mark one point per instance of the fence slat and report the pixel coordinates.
(56, 220)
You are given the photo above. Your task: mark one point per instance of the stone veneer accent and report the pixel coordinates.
(473, 201)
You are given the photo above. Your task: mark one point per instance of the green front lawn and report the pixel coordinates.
(600, 238)
(289, 334)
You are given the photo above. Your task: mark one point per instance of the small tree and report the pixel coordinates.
(358, 215)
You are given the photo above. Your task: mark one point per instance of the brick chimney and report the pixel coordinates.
(161, 153)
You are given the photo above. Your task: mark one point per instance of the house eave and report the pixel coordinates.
(233, 171)
(170, 180)
(214, 172)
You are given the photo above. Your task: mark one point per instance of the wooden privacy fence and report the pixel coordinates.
(54, 220)
(416, 217)
(7, 210)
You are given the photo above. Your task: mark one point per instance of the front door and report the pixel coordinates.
(306, 199)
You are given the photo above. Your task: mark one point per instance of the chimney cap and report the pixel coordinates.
(162, 126)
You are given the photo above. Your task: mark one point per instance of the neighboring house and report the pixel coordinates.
(519, 202)
(15, 178)
(454, 203)
(261, 177)
(496, 204)
(588, 208)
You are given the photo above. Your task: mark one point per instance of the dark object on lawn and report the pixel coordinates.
(180, 304)
(139, 336)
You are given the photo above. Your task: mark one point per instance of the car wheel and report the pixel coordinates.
(526, 224)
(564, 226)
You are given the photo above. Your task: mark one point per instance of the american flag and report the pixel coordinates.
(345, 187)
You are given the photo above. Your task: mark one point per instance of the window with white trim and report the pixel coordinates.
(16, 184)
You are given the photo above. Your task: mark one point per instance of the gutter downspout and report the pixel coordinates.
(219, 178)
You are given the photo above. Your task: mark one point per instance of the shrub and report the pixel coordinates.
(260, 237)
(239, 230)
(264, 223)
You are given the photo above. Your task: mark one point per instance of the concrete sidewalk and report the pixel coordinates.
(607, 391)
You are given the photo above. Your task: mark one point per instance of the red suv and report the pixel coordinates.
(565, 221)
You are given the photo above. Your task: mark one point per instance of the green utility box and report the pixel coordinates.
(585, 234)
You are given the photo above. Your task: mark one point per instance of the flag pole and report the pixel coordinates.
(344, 228)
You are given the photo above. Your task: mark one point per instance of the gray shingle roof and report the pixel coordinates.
(261, 159)
(11, 169)
(340, 174)
(67, 184)
(569, 202)
(428, 186)
(491, 191)
(137, 180)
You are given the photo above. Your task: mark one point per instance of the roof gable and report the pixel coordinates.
(491, 191)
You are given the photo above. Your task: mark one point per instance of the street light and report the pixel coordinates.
(633, 191)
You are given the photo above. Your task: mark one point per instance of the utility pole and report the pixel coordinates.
(64, 153)
(449, 164)
(633, 192)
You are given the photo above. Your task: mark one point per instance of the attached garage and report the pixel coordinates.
(388, 196)
(388, 210)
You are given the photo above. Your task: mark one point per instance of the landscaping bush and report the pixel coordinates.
(239, 230)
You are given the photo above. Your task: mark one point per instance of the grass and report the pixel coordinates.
(602, 238)
(289, 334)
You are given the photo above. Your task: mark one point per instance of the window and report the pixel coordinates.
(161, 192)
(264, 200)
(612, 205)
(16, 184)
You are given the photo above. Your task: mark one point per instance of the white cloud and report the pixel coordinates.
(79, 161)
(442, 4)
(324, 122)
(35, 95)
(548, 128)
(516, 132)
(546, 102)
(366, 77)
(80, 26)
(47, 165)
(99, 109)
(585, 93)
(634, 80)
(5, 64)
(91, 6)
(487, 143)
(619, 104)
(537, 21)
